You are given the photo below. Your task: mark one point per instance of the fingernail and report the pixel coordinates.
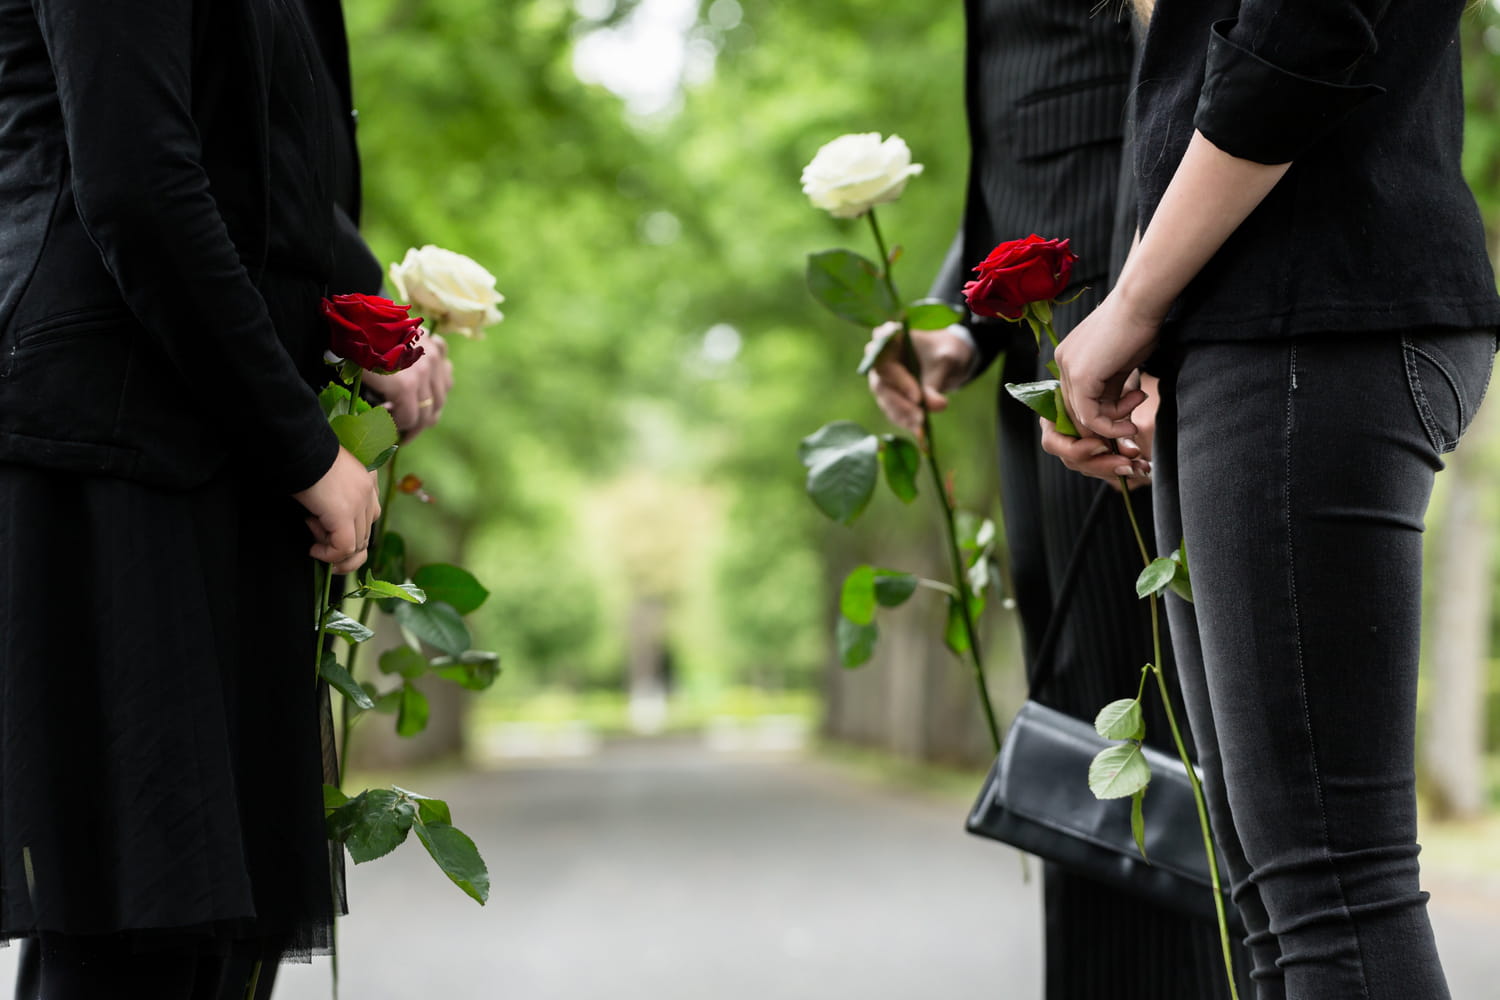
(1124, 470)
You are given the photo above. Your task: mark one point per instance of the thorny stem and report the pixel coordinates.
(929, 448)
(1192, 772)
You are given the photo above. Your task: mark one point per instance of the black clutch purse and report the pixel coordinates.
(1037, 798)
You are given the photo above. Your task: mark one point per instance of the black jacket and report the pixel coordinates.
(1046, 90)
(1373, 228)
(133, 339)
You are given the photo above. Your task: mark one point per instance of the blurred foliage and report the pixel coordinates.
(661, 356)
(631, 428)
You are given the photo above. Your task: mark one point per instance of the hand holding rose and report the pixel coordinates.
(944, 356)
(416, 396)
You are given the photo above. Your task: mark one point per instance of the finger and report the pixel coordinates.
(895, 377)
(404, 408)
(936, 401)
(899, 410)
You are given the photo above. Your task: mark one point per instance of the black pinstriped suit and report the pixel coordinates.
(1047, 87)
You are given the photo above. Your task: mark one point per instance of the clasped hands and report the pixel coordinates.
(1109, 398)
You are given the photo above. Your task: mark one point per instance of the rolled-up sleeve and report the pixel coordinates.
(1284, 73)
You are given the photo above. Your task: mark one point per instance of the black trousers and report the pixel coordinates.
(1299, 473)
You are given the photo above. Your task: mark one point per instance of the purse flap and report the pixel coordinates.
(1042, 775)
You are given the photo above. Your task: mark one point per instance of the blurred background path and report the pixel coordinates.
(665, 870)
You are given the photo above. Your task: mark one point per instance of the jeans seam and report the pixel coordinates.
(1419, 397)
(1286, 510)
(1465, 411)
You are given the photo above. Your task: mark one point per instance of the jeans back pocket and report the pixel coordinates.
(1448, 372)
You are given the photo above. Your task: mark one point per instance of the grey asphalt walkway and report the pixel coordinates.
(662, 872)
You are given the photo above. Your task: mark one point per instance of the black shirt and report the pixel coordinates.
(1373, 228)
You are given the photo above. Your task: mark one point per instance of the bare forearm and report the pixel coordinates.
(1211, 193)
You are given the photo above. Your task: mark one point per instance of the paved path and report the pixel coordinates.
(668, 873)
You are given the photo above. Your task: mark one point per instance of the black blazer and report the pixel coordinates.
(1046, 90)
(133, 175)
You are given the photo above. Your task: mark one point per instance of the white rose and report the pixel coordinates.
(854, 173)
(452, 292)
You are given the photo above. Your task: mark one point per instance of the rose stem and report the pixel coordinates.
(929, 448)
(1166, 701)
(367, 608)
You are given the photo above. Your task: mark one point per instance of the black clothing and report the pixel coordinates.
(355, 267)
(160, 756)
(1299, 657)
(1047, 88)
(1365, 98)
(134, 151)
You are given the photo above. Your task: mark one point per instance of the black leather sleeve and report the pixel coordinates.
(124, 79)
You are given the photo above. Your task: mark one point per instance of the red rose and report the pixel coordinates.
(373, 332)
(1018, 273)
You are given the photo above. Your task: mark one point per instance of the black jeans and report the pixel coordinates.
(1299, 472)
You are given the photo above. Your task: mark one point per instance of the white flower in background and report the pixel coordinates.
(452, 292)
(855, 172)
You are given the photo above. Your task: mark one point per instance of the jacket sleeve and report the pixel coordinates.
(123, 70)
(948, 286)
(1284, 73)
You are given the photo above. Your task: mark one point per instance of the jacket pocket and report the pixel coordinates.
(1448, 373)
(1060, 119)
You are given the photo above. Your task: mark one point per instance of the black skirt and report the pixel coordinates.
(160, 754)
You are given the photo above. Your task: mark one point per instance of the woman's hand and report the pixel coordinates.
(1093, 456)
(1097, 363)
(415, 396)
(344, 505)
(945, 358)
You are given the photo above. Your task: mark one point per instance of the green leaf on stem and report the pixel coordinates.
(933, 314)
(1182, 583)
(857, 598)
(338, 678)
(366, 436)
(412, 716)
(338, 623)
(475, 670)
(1034, 326)
(333, 797)
(382, 458)
(1156, 577)
(893, 588)
(873, 347)
(856, 642)
(1138, 822)
(375, 587)
(1063, 421)
(453, 585)
(1118, 771)
(372, 824)
(1121, 720)
(404, 661)
(435, 623)
(1039, 397)
(955, 633)
(429, 810)
(1042, 310)
(458, 858)
(902, 461)
(850, 287)
(334, 399)
(843, 463)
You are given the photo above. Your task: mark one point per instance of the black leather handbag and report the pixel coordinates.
(1037, 796)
